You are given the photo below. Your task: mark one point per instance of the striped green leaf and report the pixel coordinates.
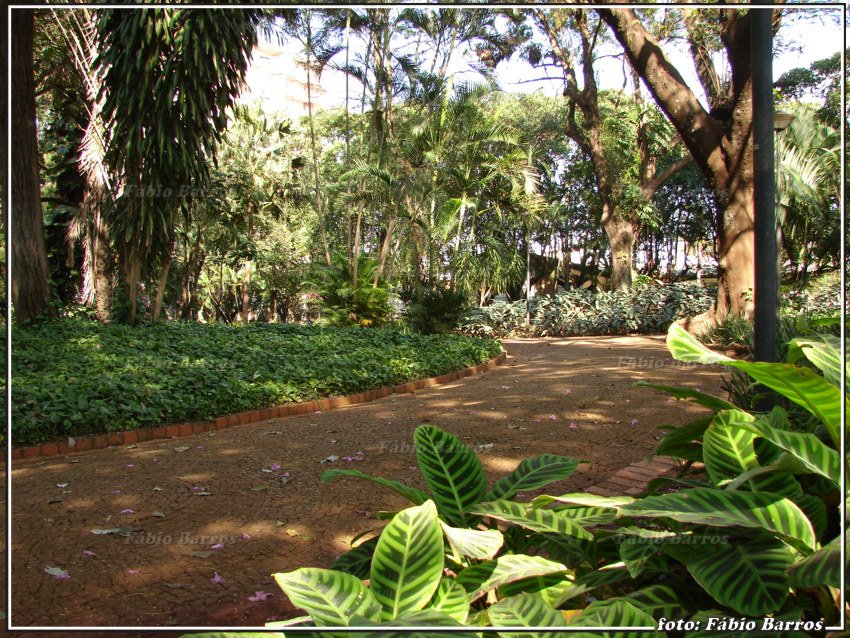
(815, 510)
(819, 569)
(679, 442)
(415, 496)
(451, 599)
(636, 555)
(533, 473)
(357, 561)
(720, 508)
(478, 579)
(401, 627)
(747, 577)
(550, 587)
(473, 543)
(451, 471)
(587, 515)
(408, 561)
(614, 613)
(331, 598)
(539, 520)
(806, 448)
(824, 351)
(663, 601)
(728, 448)
(800, 385)
(525, 610)
(581, 498)
(700, 398)
(607, 575)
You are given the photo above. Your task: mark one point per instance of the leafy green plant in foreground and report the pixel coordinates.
(751, 535)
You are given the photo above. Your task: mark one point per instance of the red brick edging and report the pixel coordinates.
(85, 443)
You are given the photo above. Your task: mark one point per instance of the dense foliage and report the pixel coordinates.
(74, 377)
(643, 309)
(751, 532)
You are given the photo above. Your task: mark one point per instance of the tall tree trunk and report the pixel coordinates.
(319, 200)
(721, 146)
(132, 275)
(385, 250)
(30, 289)
(164, 267)
(102, 267)
(246, 277)
(621, 239)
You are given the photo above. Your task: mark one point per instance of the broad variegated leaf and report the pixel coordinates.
(800, 385)
(415, 496)
(579, 498)
(700, 398)
(408, 562)
(473, 543)
(819, 569)
(533, 473)
(451, 599)
(748, 577)
(663, 601)
(680, 442)
(357, 561)
(536, 519)
(481, 578)
(331, 598)
(451, 471)
(806, 448)
(525, 610)
(614, 613)
(823, 350)
(722, 508)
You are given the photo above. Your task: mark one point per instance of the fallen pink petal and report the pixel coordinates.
(574, 426)
(127, 511)
(246, 537)
(634, 422)
(670, 401)
(198, 488)
(133, 571)
(274, 467)
(115, 492)
(552, 417)
(568, 391)
(218, 546)
(217, 579)
(130, 465)
(259, 596)
(88, 553)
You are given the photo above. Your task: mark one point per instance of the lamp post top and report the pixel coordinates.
(781, 120)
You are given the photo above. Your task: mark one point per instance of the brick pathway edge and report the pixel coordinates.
(130, 437)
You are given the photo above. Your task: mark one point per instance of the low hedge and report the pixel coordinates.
(642, 309)
(72, 377)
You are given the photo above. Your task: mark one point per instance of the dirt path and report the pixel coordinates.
(212, 509)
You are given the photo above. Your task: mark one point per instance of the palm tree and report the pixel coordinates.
(165, 122)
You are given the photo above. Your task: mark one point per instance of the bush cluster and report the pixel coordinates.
(72, 377)
(643, 309)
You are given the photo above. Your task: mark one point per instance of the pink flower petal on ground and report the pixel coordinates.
(259, 596)
(130, 465)
(198, 488)
(133, 571)
(670, 401)
(217, 579)
(218, 546)
(88, 553)
(574, 426)
(284, 475)
(246, 537)
(628, 400)
(318, 411)
(568, 391)
(552, 417)
(127, 511)
(634, 422)
(274, 467)
(115, 492)
(199, 447)
(536, 420)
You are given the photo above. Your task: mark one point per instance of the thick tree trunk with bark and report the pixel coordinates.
(102, 268)
(721, 146)
(30, 289)
(621, 239)
(164, 267)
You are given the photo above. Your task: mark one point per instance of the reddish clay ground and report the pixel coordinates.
(216, 492)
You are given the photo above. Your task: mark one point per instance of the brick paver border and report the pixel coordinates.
(633, 479)
(100, 441)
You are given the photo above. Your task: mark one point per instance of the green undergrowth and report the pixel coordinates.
(72, 377)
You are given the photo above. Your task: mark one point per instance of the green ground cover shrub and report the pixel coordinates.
(73, 377)
(642, 309)
(751, 535)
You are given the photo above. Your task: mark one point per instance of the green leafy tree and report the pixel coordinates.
(162, 125)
